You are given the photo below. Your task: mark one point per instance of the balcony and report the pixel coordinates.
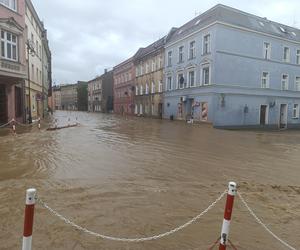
(12, 69)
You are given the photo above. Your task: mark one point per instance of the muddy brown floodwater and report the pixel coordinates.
(140, 177)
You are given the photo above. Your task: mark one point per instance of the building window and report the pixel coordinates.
(160, 62)
(192, 50)
(286, 54)
(147, 68)
(205, 76)
(12, 4)
(206, 44)
(152, 87)
(137, 71)
(267, 50)
(141, 90)
(153, 65)
(141, 109)
(265, 80)
(170, 58)
(147, 89)
(298, 56)
(296, 111)
(285, 82)
(169, 83)
(160, 86)
(180, 52)
(180, 81)
(297, 83)
(191, 79)
(9, 46)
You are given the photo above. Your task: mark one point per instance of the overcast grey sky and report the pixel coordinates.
(88, 36)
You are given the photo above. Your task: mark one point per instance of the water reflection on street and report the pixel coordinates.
(134, 177)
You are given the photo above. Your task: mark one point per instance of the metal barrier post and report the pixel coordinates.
(227, 215)
(39, 123)
(13, 126)
(28, 220)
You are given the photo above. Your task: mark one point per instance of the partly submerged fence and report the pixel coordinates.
(32, 197)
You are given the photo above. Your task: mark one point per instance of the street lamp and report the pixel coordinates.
(30, 51)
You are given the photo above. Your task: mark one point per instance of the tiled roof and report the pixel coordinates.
(150, 49)
(222, 13)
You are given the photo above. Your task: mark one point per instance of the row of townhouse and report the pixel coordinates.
(25, 62)
(226, 67)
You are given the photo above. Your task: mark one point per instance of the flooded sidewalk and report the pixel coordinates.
(135, 177)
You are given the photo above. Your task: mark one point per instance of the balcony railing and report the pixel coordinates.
(13, 67)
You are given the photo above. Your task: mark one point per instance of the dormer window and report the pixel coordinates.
(282, 29)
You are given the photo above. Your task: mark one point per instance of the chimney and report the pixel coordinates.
(105, 71)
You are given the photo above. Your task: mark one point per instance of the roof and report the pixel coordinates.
(142, 52)
(229, 15)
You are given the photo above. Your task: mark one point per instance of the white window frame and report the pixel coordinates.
(192, 50)
(204, 66)
(160, 86)
(169, 58)
(6, 42)
(286, 57)
(287, 82)
(147, 89)
(298, 56)
(265, 78)
(180, 54)
(178, 83)
(153, 65)
(12, 4)
(169, 81)
(206, 44)
(147, 67)
(152, 88)
(295, 111)
(267, 51)
(136, 90)
(141, 90)
(189, 79)
(297, 83)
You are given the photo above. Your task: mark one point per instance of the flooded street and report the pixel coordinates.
(140, 177)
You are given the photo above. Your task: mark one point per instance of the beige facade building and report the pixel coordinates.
(39, 61)
(149, 63)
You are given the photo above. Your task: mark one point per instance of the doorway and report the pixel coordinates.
(3, 105)
(263, 114)
(283, 116)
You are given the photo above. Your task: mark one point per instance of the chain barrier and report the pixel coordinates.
(155, 237)
(6, 124)
(259, 221)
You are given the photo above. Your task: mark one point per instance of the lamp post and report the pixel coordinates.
(30, 51)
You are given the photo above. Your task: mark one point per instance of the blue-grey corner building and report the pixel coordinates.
(233, 69)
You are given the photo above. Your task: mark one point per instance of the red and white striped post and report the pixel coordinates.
(227, 215)
(13, 126)
(28, 220)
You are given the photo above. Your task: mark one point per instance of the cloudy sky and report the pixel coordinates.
(88, 36)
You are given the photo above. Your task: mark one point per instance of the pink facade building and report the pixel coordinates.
(12, 60)
(124, 77)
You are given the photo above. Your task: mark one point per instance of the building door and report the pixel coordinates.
(263, 114)
(3, 105)
(283, 116)
(160, 110)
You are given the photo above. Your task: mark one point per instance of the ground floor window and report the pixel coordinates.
(141, 109)
(296, 111)
(136, 109)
